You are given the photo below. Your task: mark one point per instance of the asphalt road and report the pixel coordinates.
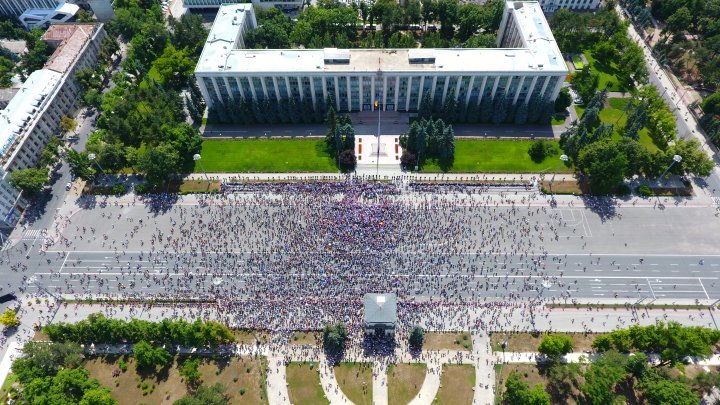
(572, 252)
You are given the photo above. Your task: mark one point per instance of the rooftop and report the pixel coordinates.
(16, 118)
(69, 40)
(221, 54)
(380, 309)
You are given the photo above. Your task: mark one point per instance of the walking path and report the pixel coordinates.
(380, 383)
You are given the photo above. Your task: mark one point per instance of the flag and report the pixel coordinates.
(377, 104)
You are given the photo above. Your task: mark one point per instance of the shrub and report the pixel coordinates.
(623, 189)
(539, 150)
(644, 190)
(122, 365)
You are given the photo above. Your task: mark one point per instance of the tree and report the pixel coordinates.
(499, 108)
(481, 41)
(148, 357)
(665, 391)
(521, 113)
(173, 67)
(334, 337)
(605, 170)
(189, 370)
(426, 104)
(214, 395)
(67, 124)
(97, 396)
(601, 377)
(188, 33)
(555, 346)
(42, 359)
(9, 319)
(31, 181)
(158, 163)
(80, 164)
(347, 161)
(517, 392)
(563, 100)
(637, 365)
(417, 337)
(539, 150)
(679, 22)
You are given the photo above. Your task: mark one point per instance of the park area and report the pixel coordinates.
(266, 156)
(355, 381)
(528, 342)
(498, 156)
(614, 113)
(456, 385)
(405, 381)
(303, 381)
(607, 72)
(244, 378)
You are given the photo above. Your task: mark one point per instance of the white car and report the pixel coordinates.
(68, 186)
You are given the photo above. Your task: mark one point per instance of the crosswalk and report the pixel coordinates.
(716, 200)
(31, 234)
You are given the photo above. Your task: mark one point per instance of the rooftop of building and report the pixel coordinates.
(16, 118)
(69, 39)
(380, 309)
(220, 53)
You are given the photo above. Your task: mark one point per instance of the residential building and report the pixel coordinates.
(527, 63)
(34, 114)
(42, 17)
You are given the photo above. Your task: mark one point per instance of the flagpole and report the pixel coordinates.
(377, 162)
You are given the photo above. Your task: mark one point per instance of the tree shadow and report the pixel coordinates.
(603, 206)
(159, 203)
(37, 208)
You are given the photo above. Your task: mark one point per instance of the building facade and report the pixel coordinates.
(526, 63)
(283, 4)
(552, 6)
(33, 115)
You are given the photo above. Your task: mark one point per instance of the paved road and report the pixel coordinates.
(574, 252)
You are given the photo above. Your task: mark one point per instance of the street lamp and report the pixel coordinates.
(563, 160)
(196, 157)
(676, 159)
(92, 159)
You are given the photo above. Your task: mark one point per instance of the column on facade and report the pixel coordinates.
(337, 93)
(241, 89)
(445, 88)
(275, 86)
(481, 90)
(544, 87)
(324, 88)
(288, 90)
(421, 91)
(409, 93)
(227, 86)
(300, 88)
(432, 92)
(384, 94)
(360, 91)
(397, 91)
(469, 91)
(517, 92)
(556, 91)
(495, 86)
(312, 90)
(264, 87)
(252, 88)
(204, 91)
(457, 87)
(372, 91)
(348, 81)
(507, 85)
(217, 89)
(530, 90)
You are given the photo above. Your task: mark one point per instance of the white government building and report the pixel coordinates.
(527, 62)
(33, 115)
(283, 4)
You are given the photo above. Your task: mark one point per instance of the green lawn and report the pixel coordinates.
(615, 115)
(497, 156)
(265, 156)
(304, 384)
(606, 72)
(355, 381)
(577, 62)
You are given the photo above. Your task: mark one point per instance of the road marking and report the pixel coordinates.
(703, 287)
(63, 263)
